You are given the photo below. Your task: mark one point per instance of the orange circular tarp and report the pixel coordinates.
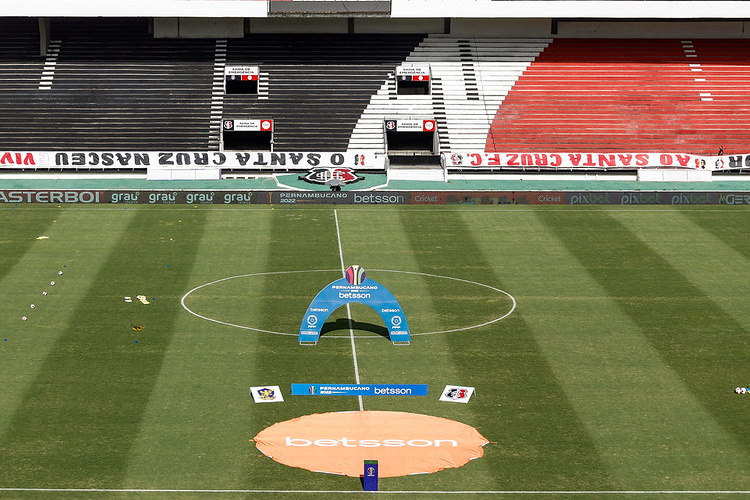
(402, 443)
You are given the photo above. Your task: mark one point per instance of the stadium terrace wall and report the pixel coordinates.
(204, 197)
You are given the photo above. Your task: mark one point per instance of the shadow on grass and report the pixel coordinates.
(343, 324)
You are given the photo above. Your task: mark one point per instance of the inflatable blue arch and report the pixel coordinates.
(354, 287)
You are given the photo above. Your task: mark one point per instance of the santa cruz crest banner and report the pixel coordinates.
(354, 287)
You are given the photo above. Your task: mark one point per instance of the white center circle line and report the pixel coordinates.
(416, 273)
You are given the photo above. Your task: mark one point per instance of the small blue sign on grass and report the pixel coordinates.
(370, 476)
(359, 389)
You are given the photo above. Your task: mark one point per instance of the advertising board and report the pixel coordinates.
(246, 197)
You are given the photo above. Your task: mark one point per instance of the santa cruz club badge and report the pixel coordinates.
(456, 394)
(324, 175)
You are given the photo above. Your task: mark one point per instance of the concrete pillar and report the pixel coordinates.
(45, 31)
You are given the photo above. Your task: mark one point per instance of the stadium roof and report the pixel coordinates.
(608, 9)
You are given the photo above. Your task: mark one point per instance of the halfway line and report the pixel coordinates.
(348, 312)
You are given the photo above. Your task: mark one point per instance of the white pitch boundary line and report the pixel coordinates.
(395, 492)
(348, 312)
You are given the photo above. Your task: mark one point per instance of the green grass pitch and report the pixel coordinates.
(615, 373)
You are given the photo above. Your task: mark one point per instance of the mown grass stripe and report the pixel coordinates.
(700, 342)
(731, 227)
(376, 241)
(633, 405)
(25, 344)
(80, 417)
(709, 252)
(304, 239)
(19, 228)
(300, 238)
(541, 442)
(195, 430)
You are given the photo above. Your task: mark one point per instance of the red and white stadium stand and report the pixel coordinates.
(629, 95)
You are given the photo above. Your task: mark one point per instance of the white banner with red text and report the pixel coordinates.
(590, 161)
(252, 160)
(364, 160)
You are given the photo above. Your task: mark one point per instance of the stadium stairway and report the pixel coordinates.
(470, 79)
(629, 95)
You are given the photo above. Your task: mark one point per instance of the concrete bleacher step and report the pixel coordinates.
(20, 62)
(116, 87)
(636, 95)
(416, 174)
